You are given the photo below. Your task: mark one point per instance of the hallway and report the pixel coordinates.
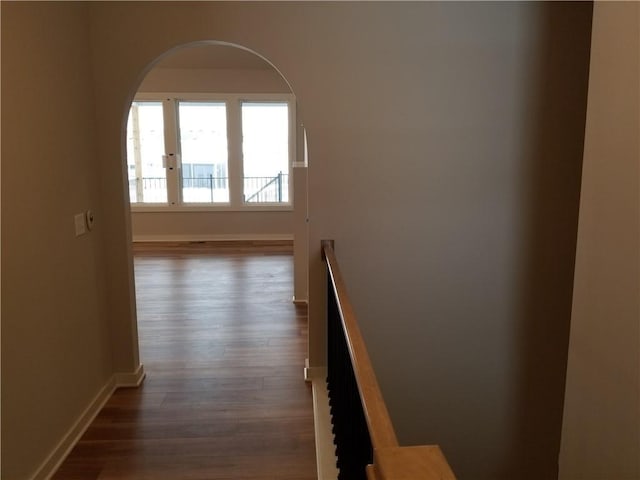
(224, 396)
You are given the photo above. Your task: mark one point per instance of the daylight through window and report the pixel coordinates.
(221, 151)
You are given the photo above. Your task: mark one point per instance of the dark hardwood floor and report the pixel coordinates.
(224, 398)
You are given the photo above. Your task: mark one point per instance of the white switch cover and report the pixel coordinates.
(81, 226)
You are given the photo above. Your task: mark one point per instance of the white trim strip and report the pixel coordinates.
(325, 448)
(133, 379)
(60, 452)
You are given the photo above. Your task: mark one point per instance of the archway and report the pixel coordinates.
(225, 77)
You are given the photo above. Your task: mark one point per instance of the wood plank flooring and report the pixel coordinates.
(224, 397)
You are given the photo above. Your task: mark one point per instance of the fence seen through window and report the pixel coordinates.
(210, 151)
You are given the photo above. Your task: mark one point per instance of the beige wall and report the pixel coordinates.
(212, 225)
(445, 147)
(601, 428)
(198, 226)
(203, 80)
(56, 351)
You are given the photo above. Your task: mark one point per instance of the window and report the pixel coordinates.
(265, 151)
(145, 147)
(204, 153)
(210, 151)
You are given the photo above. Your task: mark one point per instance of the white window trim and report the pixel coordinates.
(234, 137)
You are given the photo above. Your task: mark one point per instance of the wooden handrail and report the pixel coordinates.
(390, 461)
(375, 409)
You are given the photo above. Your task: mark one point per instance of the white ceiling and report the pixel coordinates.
(213, 56)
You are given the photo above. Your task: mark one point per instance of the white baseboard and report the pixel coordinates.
(300, 301)
(325, 448)
(60, 452)
(133, 379)
(213, 237)
(311, 373)
(73, 435)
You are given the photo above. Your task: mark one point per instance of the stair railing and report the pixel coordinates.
(366, 444)
(275, 183)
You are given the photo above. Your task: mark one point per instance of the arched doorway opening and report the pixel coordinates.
(178, 191)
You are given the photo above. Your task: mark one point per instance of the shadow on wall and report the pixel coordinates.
(544, 308)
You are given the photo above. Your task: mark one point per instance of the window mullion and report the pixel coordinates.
(171, 130)
(234, 136)
(294, 132)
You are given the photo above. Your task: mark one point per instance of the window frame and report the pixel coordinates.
(233, 103)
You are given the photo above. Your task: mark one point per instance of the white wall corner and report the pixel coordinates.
(130, 379)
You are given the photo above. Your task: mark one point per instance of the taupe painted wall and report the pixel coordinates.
(601, 428)
(220, 225)
(212, 225)
(445, 148)
(218, 80)
(445, 145)
(56, 351)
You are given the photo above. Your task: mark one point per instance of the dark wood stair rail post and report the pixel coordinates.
(366, 442)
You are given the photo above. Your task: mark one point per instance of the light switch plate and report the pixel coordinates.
(81, 226)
